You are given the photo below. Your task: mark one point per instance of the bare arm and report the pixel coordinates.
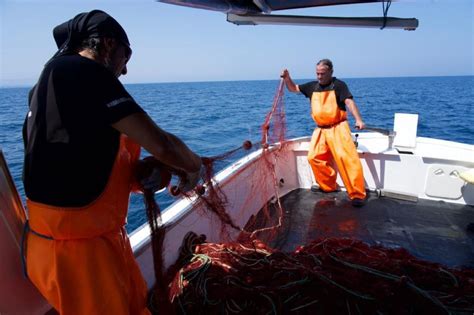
(164, 146)
(290, 85)
(351, 105)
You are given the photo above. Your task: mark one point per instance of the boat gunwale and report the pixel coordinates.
(181, 208)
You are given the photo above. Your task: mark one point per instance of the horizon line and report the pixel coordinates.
(216, 81)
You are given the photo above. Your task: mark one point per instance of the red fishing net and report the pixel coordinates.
(328, 276)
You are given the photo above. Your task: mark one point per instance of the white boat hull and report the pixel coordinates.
(431, 172)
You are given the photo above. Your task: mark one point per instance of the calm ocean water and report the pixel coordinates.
(214, 117)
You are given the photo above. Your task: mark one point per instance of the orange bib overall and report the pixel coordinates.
(88, 266)
(332, 141)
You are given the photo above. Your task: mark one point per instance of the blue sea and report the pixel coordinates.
(214, 117)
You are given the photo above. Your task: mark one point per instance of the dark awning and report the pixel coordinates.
(258, 6)
(255, 12)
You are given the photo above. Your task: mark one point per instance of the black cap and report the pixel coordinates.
(85, 25)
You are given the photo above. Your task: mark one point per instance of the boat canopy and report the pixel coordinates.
(255, 12)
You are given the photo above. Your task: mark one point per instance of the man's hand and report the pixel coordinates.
(153, 182)
(360, 125)
(290, 85)
(188, 181)
(151, 175)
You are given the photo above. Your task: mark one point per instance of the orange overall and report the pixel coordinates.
(332, 140)
(88, 266)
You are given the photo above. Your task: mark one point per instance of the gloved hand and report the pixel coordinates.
(189, 180)
(152, 175)
(153, 181)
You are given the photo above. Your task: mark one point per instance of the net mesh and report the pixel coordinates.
(329, 276)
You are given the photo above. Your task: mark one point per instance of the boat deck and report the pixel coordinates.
(429, 230)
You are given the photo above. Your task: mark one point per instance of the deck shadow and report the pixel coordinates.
(429, 230)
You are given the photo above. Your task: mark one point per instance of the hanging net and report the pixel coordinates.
(245, 275)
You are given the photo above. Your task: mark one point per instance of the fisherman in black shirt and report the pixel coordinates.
(82, 135)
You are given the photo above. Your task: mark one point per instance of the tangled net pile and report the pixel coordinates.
(326, 276)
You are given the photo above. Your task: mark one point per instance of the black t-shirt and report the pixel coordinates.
(340, 88)
(70, 146)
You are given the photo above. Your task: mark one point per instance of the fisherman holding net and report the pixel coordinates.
(82, 135)
(331, 140)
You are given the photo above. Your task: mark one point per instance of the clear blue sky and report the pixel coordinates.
(174, 44)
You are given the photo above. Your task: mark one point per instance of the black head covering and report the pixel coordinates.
(85, 25)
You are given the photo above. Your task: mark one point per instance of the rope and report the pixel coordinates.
(385, 12)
